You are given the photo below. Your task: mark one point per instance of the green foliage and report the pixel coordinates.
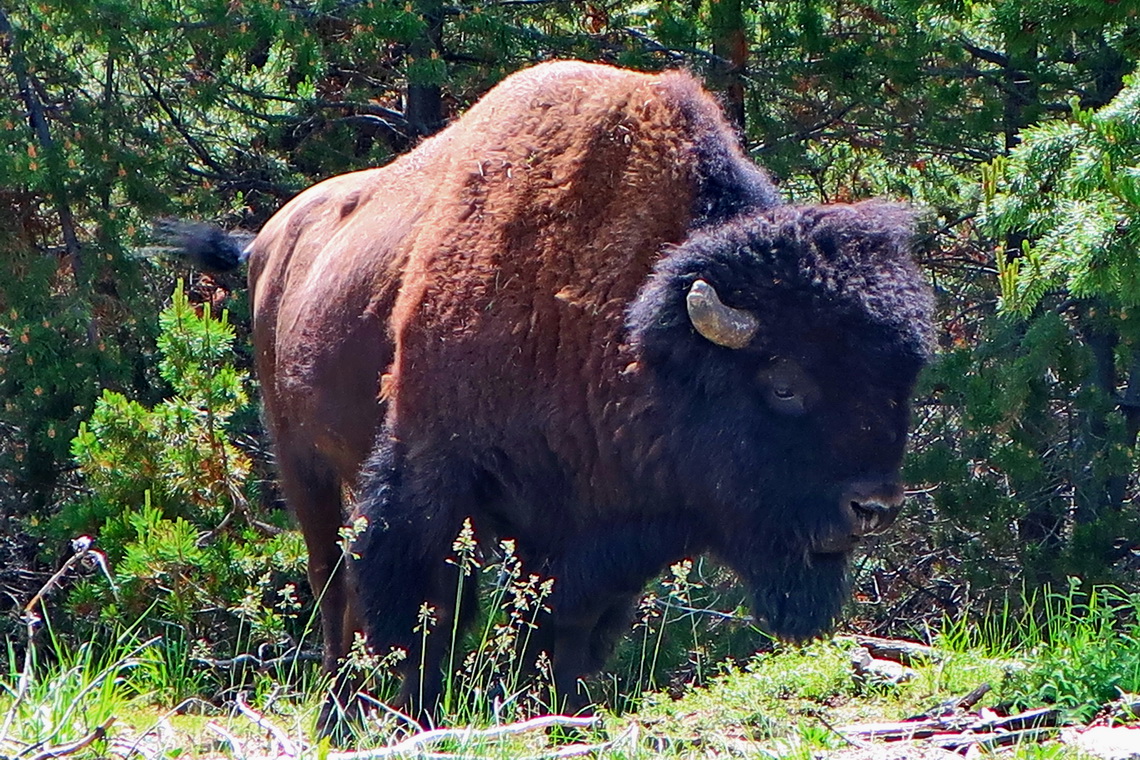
(1033, 438)
(1031, 459)
(177, 450)
(1073, 187)
(1087, 650)
(55, 694)
(168, 503)
(57, 345)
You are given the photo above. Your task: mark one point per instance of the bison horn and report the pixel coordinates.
(723, 325)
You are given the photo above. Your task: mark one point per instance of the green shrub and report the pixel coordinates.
(169, 502)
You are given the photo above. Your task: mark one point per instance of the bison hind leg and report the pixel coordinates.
(313, 492)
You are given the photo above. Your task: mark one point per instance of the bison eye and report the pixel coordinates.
(787, 387)
(786, 400)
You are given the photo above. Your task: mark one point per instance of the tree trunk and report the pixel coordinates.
(730, 45)
(423, 104)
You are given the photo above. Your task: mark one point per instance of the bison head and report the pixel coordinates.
(782, 350)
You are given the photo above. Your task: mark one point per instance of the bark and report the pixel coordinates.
(423, 107)
(730, 46)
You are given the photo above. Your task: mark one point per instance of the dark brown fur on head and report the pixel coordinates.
(835, 295)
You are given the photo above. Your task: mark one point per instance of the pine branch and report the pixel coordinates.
(989, 56)
(37, 119)
(176, 122)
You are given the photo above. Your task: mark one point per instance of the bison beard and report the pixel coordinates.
(581, 317)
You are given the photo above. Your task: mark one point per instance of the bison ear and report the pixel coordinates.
(723, 325)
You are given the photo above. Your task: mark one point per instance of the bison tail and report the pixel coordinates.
(203, 245)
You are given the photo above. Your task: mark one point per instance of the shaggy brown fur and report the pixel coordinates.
(502, 312)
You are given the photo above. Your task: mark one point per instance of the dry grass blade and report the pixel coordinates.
(83, 546)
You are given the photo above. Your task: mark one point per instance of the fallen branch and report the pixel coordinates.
(851, 740)
(72, 747)
(956, 705)
(285, 745)
(1042, 717)
(901, 731)
(975, 696)
(898, 650)
(1127, 707)
(958, 731)
(464, 736)
(991, 739)
(228, 738)
(254, 662)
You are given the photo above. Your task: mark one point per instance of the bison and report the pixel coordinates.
(582, 319)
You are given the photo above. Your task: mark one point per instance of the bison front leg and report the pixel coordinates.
(595, 591)
(581, 645)
(411, 597)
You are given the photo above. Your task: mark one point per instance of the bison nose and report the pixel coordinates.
(873, 506)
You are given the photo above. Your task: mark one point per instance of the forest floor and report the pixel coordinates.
(848, 698)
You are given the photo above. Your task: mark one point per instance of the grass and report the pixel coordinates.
(1073, 649)
(674, 687)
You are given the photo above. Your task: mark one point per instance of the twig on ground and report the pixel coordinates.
(851, 739)
(990, 740)
(228, 738)
(958, 731)
(18, 747)
(256, 663)
(578, 750)
(82, 546)
(975, 696)
(1126, 707)
(955, 705)
(464, 736)
(72, 747)
(160, 726)
(404, 717)
(285, 745)
(127, 750)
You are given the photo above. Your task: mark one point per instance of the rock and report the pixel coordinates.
(873, 671)
(1107, 742)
